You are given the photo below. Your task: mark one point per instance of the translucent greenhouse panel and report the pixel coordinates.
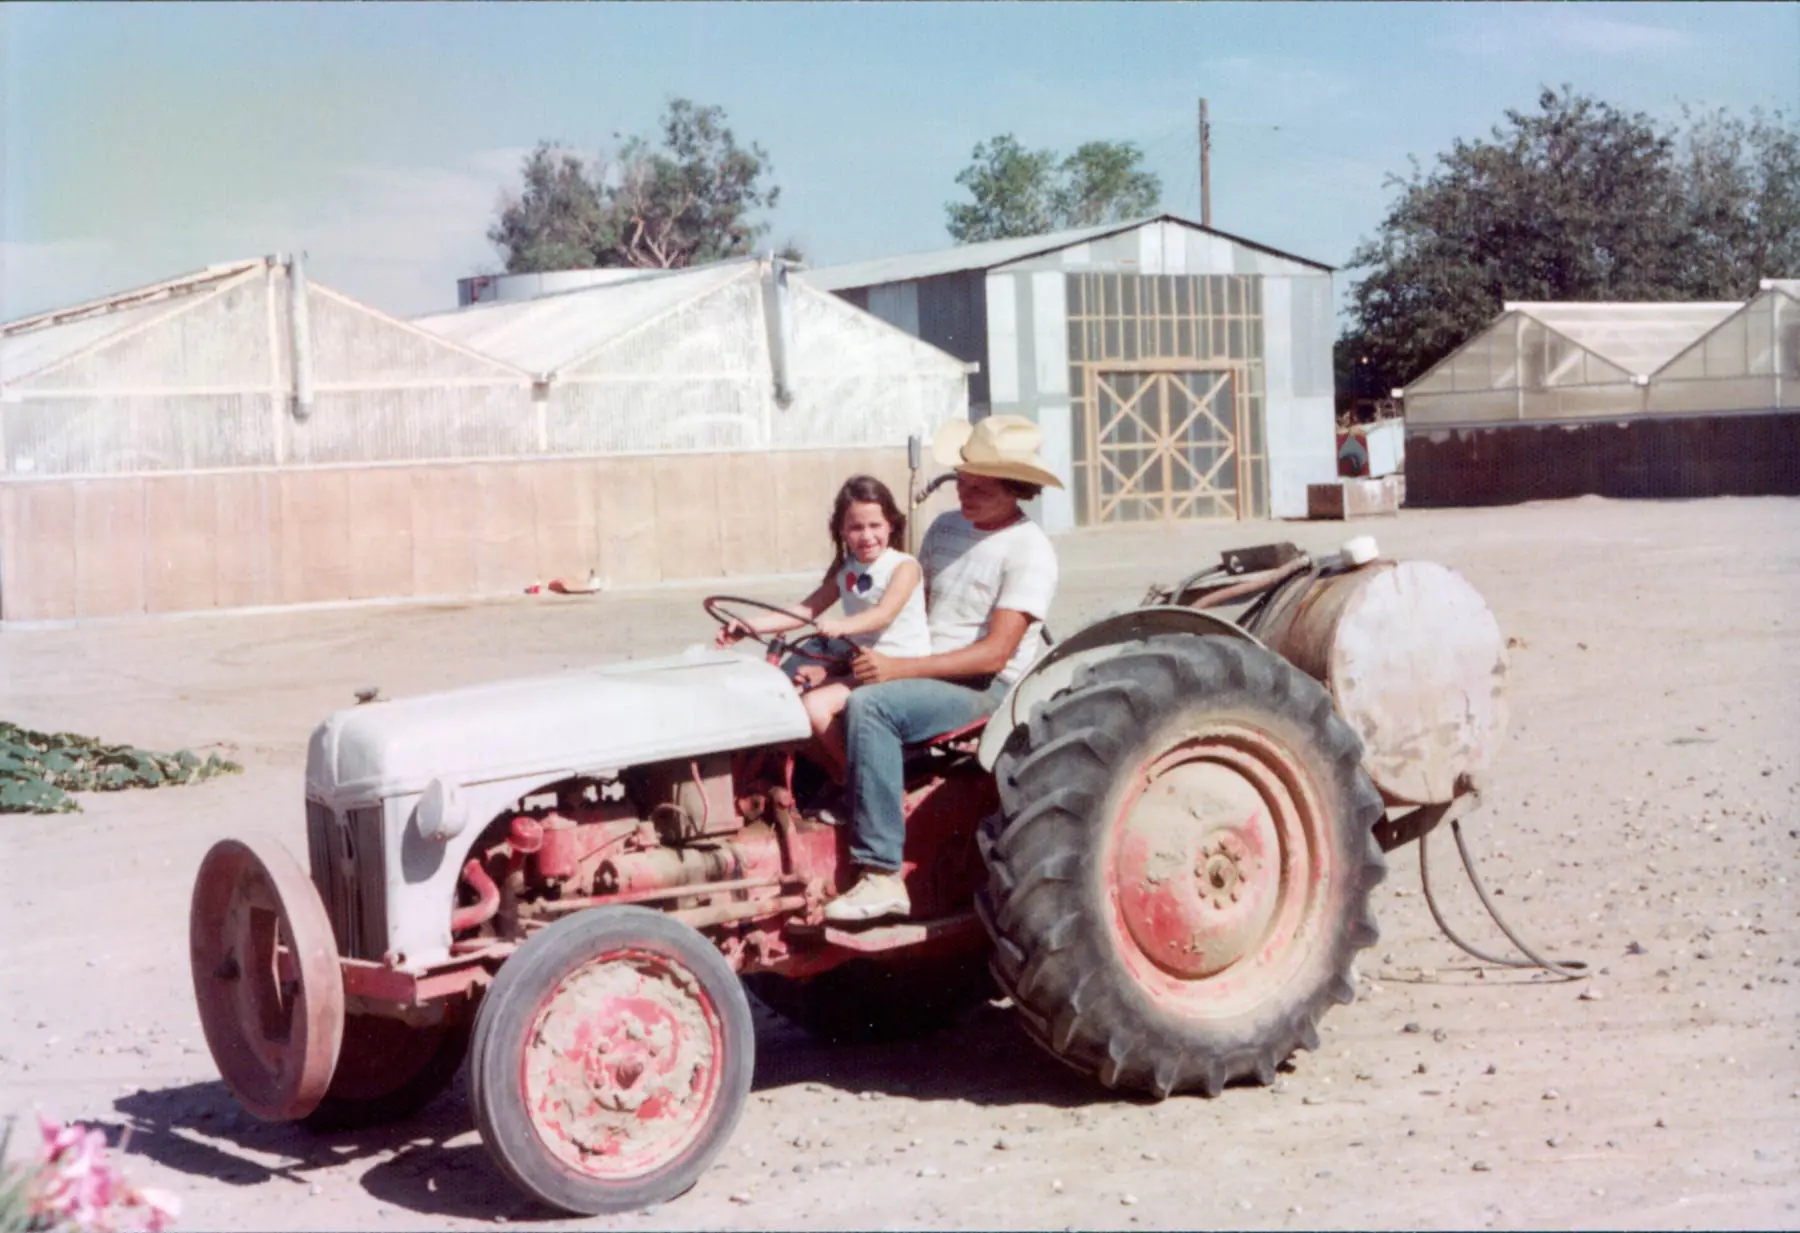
(1702, 396)
(424, 424)
(352, 344)
(650, 415)
(1585, 402)
(1725, 351)
(108, 435)
(710, 336)
(1433, 410)
(223, 334)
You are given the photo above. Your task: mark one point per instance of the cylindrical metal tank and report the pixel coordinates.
(1417, 666)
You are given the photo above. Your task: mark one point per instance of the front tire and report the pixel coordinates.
(612, 1058)
(1180, 872)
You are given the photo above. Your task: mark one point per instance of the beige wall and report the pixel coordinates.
(97, 547)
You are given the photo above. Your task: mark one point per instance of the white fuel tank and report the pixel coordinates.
(1416, 664)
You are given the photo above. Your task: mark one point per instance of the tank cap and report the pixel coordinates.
(1359, 550)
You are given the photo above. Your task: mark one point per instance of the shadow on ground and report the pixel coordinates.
(435, 1165)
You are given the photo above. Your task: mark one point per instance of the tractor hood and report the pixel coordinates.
(599, 719)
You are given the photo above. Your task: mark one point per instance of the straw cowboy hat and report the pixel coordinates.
(1000, 446)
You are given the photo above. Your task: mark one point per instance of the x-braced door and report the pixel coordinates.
(1164, 445)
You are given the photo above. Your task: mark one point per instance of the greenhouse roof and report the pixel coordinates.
(1787, 286)
(34, 343)
(990, 253)
(543, 334)
(1637, 337)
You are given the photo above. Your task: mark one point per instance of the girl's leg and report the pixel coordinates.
(824, 705)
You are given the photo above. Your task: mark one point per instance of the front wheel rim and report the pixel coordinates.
(623, 1066)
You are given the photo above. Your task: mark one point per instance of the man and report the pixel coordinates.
(990, 574)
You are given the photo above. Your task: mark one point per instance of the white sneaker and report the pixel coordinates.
(874, 896)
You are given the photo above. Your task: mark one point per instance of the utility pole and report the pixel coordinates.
(1205, 168)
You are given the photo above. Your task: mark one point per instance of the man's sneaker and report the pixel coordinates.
(874, 896)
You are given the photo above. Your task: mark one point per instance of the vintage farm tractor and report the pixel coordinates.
(1160, 847)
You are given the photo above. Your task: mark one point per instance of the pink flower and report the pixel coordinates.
(164, 1208)
(76, 1185)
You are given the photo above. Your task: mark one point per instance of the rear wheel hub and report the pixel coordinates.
(1197, 863)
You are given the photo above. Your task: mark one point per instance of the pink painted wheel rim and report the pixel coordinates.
(623, 1066)
(1218, 871)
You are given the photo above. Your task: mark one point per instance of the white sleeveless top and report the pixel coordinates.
(861, 588)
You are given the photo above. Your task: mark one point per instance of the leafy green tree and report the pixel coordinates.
(690, 199)
(1020, 192)
(1102, 182)
(558, 221)
(1741, 185)
(1576, 201)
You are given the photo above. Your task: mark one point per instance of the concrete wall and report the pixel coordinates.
(1697, 456)
(114, 546)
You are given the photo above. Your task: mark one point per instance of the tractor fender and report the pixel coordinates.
(1096, 641)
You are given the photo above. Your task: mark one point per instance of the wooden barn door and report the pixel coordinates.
(1165, 445)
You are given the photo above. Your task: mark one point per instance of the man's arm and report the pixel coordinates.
(1006, 629)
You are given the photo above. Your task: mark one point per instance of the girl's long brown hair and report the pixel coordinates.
(859, 490)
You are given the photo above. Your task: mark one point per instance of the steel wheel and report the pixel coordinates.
(266, 979)
(612, 1058)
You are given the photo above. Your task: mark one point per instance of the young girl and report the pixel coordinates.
(884, 604)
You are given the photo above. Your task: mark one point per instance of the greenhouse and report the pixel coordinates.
(1620, 399)
(244, 436)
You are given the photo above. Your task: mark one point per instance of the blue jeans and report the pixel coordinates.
(878, 721)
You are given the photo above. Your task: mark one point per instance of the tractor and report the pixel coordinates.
(1160, 848)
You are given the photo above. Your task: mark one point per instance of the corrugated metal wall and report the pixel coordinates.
(1020, 312)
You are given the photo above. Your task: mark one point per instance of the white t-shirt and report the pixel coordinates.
(861, 587)
(970, 572)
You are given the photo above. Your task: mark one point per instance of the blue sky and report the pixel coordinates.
(143, 141)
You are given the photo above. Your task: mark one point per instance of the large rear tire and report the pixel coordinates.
(612, 1058)
(1180, 871)
(864, 1000)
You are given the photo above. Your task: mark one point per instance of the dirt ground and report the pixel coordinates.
(1645, 817)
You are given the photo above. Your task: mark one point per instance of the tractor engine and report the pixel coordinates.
(669, 835)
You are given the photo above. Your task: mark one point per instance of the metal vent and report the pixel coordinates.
(349, 869)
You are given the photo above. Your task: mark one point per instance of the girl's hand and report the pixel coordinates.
(831, 627)
(809, 676)
(731, 633)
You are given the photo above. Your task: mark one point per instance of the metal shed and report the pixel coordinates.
(1620, 399)
(1178, 372)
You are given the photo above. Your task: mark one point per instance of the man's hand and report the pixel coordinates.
(830, 627)
(873, 668)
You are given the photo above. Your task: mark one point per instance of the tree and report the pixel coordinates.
(1102, 183)
(687, 200)
(1020, 192)
(557, 223)
(1577, 201)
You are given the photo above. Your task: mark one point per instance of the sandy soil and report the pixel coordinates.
(1645, 816)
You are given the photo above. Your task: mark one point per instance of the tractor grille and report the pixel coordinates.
(349, 869)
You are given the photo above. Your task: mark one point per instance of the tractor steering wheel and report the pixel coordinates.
(777, 645)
